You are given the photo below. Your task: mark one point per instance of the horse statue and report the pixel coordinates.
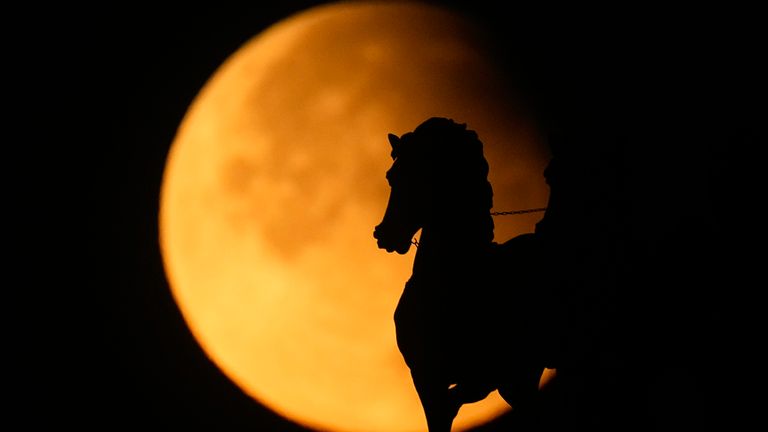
(472, 317)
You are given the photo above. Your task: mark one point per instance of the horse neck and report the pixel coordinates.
(453, 239)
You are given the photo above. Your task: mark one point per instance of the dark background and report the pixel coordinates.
(667, 99)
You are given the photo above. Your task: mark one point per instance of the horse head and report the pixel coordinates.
(438, 174)
(404, 215)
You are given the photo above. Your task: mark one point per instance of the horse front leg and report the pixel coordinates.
(440, 407)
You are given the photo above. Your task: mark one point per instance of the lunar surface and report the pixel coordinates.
(275, 181)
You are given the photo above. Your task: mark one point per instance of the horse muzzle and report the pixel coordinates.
(390, 243)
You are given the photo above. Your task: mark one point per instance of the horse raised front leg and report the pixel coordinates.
(440, 408)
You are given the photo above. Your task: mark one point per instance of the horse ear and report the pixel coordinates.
(394, 140)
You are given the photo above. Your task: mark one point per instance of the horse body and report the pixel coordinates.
(467, 322)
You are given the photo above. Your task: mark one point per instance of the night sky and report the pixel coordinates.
(661, 101)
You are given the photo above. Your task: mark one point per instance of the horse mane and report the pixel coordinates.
(452, 156)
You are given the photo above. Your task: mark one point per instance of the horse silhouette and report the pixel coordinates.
(471, 318)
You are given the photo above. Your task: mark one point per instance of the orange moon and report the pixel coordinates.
(275, 180)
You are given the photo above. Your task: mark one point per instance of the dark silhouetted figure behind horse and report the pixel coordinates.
(470, 319)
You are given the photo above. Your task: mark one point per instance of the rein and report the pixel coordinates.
(515, 212)
(415, 241)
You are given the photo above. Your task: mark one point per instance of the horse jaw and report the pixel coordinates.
(402, 250)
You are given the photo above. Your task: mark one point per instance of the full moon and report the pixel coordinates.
(275, 180)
